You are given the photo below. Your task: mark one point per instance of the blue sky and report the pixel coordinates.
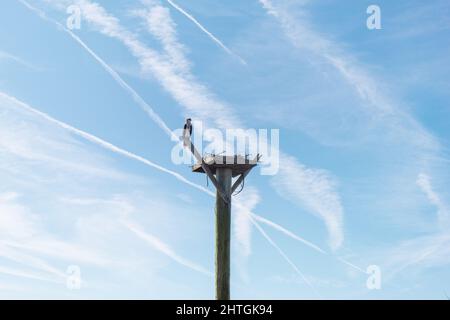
(364, 134)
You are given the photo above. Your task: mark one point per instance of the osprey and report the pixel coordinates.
(187, 131)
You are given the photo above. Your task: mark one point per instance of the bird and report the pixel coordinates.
(187, 131)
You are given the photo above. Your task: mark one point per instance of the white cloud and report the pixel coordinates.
(162, 247)
(244, 203)
(413, 256)
(46, 222)
(8, 56)
(163, 28)
(316, 191)
(424, 182)
(23, 274)
(293, 19)
(15, 221)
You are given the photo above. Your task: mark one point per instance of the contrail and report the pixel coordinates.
(6, 55)
(284, 255)
(31, 261)
(136, 97)
(25, 274)
(198, 24)
(351, 265)
(104, 144)
(163, 247)
(287, 232)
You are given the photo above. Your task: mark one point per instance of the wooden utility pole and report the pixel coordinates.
(220, 170)
(223, 226)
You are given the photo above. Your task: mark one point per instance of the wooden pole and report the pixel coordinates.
(223, 224)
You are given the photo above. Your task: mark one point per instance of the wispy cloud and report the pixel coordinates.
(424, 182)
(14, 221)
(162, 247)
(9, 252)
(304, 37)
(18, 226)
(244, 203)
(415, 255)
(160, 25)
(425, 251)
(316, 191)
(8, 56)
(23, 274)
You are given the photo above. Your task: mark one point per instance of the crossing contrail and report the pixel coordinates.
(281, 252)
(136, 97)
(198, 24)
